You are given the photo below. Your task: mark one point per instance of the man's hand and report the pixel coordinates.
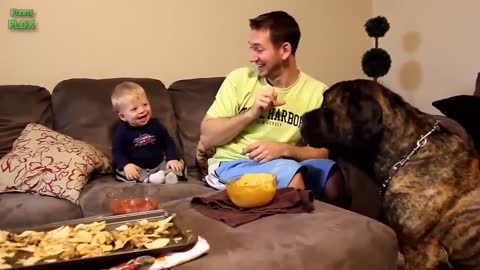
(175, 165)
(131, 172)
(263, 151)
(266, 99)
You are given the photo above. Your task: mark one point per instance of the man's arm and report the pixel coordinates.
(305, 152)
(217, 131)
(263, 151)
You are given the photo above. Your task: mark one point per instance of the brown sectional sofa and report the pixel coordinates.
(329, 238)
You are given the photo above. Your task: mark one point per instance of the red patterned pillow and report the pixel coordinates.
(202, 156)
(49, 163)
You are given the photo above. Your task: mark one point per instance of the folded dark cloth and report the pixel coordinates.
(218, 206)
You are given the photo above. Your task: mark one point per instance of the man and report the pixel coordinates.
(255, 118)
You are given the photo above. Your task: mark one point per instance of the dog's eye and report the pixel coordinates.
(329, 115)
(325, 106)
(330, 109)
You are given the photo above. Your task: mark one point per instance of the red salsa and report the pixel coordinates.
(125, 206)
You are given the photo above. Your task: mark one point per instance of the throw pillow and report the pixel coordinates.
(202, 156)
(464, 109)
(49, 163)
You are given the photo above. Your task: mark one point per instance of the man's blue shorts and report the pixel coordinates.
(315, 171)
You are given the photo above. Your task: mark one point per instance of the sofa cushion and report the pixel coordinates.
(83, 109)
(28, 210)
(464, 109)
(365, 199)
(49, 163)
(328, 238)
(92, 198)
(191, 99)
(20, 105)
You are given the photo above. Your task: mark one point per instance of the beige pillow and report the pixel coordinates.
(49, 163)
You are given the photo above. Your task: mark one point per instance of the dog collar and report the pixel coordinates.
(401, 163)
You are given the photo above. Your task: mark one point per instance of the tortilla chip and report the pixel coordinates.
(159, 243)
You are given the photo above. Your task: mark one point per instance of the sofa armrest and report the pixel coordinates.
(456, 128)
(477, 86)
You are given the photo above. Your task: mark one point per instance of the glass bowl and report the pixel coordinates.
(252, 189)
(131, 199)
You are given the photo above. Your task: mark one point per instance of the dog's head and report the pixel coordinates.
(350, 117)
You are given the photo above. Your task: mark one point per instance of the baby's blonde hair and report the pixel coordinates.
(123, 90)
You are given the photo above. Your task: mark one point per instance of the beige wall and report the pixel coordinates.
(171, 40)
(435, 48)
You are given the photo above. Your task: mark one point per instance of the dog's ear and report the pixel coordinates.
(367, 118)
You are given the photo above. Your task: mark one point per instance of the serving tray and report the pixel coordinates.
(188, 239)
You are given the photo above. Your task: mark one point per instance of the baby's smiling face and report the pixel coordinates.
(135, 110)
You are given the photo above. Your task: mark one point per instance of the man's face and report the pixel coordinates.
(264, 54)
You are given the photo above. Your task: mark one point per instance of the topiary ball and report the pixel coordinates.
(376, 62)
(377, 27)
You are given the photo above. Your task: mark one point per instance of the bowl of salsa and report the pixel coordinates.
(131, 199)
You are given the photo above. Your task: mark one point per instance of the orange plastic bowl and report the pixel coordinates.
(137, 198)
(252, 189)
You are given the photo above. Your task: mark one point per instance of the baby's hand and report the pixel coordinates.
(131, 171)
(175, 165)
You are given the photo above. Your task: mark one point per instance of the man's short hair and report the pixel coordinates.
(123, 90)
(282, 26)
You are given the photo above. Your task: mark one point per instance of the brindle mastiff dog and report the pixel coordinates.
(432, 199)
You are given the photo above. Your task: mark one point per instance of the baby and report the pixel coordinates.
(142, 149)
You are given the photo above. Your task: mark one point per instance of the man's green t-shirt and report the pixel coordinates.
(280, 124)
